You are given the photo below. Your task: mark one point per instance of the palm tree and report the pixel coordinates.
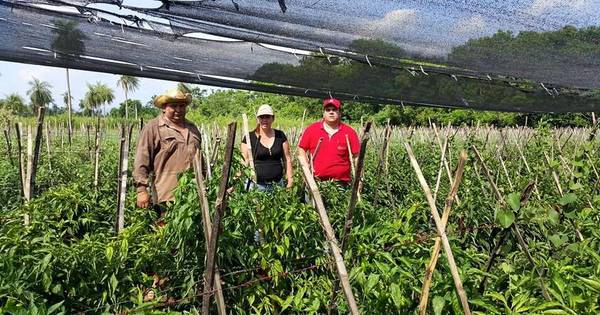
(39, 94)
(128, 83)
(97, 95)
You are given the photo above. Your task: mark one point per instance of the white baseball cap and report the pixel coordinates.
(264, 109)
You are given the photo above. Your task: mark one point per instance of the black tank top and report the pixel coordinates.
(268, 163)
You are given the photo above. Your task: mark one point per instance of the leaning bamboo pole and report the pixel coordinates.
(249, 146)
(438, 241)
(330, 236)
(220, 204)
(207, 225)
(441, 231)
(352, 206)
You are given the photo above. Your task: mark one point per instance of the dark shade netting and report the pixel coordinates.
(514, 55)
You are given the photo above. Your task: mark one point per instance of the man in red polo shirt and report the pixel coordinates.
(327, 143)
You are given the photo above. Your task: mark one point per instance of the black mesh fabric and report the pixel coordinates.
(513, 55)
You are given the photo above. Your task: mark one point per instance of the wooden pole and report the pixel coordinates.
(249, 146)
(207, 226)
(441, 231)
(69, 109)
(123, 166)
(438, 241)
(330, 236)
(29, 169)
(20, 159)
(97, 156)
(36, 150)
(352, 206)
(211, 251)
(48, 148)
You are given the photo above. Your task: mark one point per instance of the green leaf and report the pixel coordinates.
(505, 217)
(514, 201)
(558, 239)
(567, 199)
(371, 282)
(553, 216)
(575, 186)
(438, 304)
(55, 307)
(396, 294)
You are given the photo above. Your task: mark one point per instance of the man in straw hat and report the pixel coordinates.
(166, 147)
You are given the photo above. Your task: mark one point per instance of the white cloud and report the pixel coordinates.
(472, 26)
(392, 24)
(539, 7)
(27, 73)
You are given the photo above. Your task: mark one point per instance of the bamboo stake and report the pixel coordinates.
(441, 231)
(438, 241)
(439, 141)
(48, 149)
(29, 165)
(249, 146)
(207, 225)
(206, 155)
(220, 203)
(352, 206)
(36, 150)
(97, 156)
(123, 166)
(330, 236)
(69, 109)
(20, 159)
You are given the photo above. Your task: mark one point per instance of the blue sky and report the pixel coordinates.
(14, 78)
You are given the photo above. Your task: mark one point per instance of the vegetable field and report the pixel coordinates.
(523, 228)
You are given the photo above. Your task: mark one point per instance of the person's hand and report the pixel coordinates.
(290, 183)
(143, 199)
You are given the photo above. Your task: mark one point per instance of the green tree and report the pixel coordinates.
(15, 104)
(97, 95)
(128, 83)
(39, 94)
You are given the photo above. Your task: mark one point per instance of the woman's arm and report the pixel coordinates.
(289, 172)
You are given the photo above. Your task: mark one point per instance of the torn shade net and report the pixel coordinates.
(515, 55)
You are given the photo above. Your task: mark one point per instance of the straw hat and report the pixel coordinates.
(173, 96)
(264, 109)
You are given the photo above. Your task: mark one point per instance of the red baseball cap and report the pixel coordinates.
(332, 102)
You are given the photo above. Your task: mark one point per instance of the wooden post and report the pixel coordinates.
(123, 166)
(20, 159)
(353, 200)
(249, 146)
(441, 231)
(97, 156)
(438, 241)
(69, 110)
(35, 154)
(211, 248)
(330, 237)
(207, 226)
(48, 148)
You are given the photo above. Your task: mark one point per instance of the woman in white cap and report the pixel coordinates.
(270, 152)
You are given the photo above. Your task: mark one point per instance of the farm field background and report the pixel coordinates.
(69, 259)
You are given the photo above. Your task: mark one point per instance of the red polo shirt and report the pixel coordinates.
(332, 160)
